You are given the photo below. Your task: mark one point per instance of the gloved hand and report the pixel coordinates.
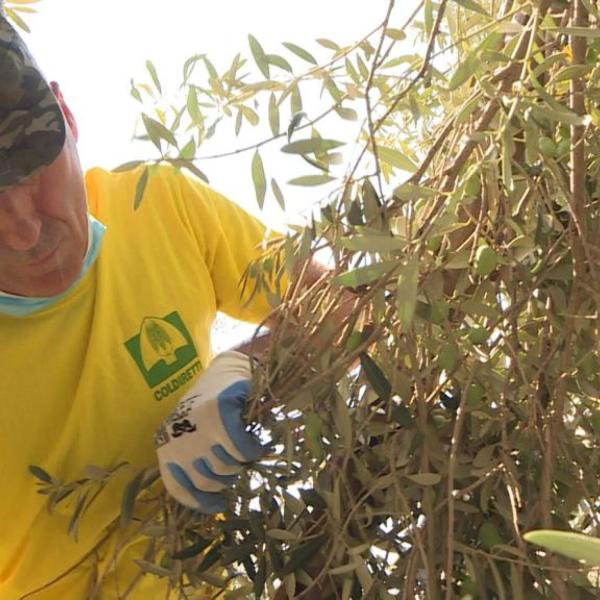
(203, 444)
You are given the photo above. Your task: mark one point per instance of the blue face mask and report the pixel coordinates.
(21, 306)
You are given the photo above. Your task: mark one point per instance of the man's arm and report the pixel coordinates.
(204, 444)
(258, 345)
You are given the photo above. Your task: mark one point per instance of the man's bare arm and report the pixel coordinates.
(258, 346)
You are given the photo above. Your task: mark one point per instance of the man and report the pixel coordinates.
(105, 317)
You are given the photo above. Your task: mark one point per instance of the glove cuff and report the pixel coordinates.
(232, 362)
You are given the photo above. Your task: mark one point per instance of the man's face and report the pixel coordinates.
(43, 224)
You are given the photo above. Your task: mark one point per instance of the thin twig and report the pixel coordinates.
(577, 197)
(419, 75)
(451, 492)
(372, 72)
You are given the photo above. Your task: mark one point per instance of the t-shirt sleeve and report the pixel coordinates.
(231, 240)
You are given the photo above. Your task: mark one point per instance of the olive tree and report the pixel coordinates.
(415, 444)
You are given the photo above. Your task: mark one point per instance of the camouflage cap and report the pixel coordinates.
(32, 127)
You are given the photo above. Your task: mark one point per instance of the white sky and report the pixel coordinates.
(94, 48)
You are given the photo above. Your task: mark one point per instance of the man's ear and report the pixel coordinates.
(69, 118)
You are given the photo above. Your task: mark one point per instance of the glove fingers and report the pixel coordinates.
(227, 459)
(206, 502)
(248, 446)
(208, 474)
(205, 469)
(232, 402)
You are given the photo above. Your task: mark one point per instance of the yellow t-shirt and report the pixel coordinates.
(87, 380)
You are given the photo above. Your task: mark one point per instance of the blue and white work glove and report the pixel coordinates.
(203, 444)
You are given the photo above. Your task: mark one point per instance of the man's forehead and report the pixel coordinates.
(32, 128)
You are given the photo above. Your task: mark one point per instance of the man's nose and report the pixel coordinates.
(20, 221)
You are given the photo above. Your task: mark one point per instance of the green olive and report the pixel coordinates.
(468, 587)
(448, 357)
(474, 395)
(563, 148)
(595, 419)
(478, 334)
(473, 185)
(434, 243)
(489, 536)
(587, 367)
(547, 146)
(486, 260)
(439, 311)
(439, 419)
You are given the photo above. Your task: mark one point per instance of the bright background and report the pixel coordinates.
(94, 49)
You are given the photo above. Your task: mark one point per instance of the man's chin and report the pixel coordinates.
(43, 280)
(52, 283)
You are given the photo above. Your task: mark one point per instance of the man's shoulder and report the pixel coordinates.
(140, 181)
(130, 175)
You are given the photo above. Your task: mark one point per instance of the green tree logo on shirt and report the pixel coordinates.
(159, 341)
(161, 348)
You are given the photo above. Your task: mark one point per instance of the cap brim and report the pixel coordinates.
(32, 127)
